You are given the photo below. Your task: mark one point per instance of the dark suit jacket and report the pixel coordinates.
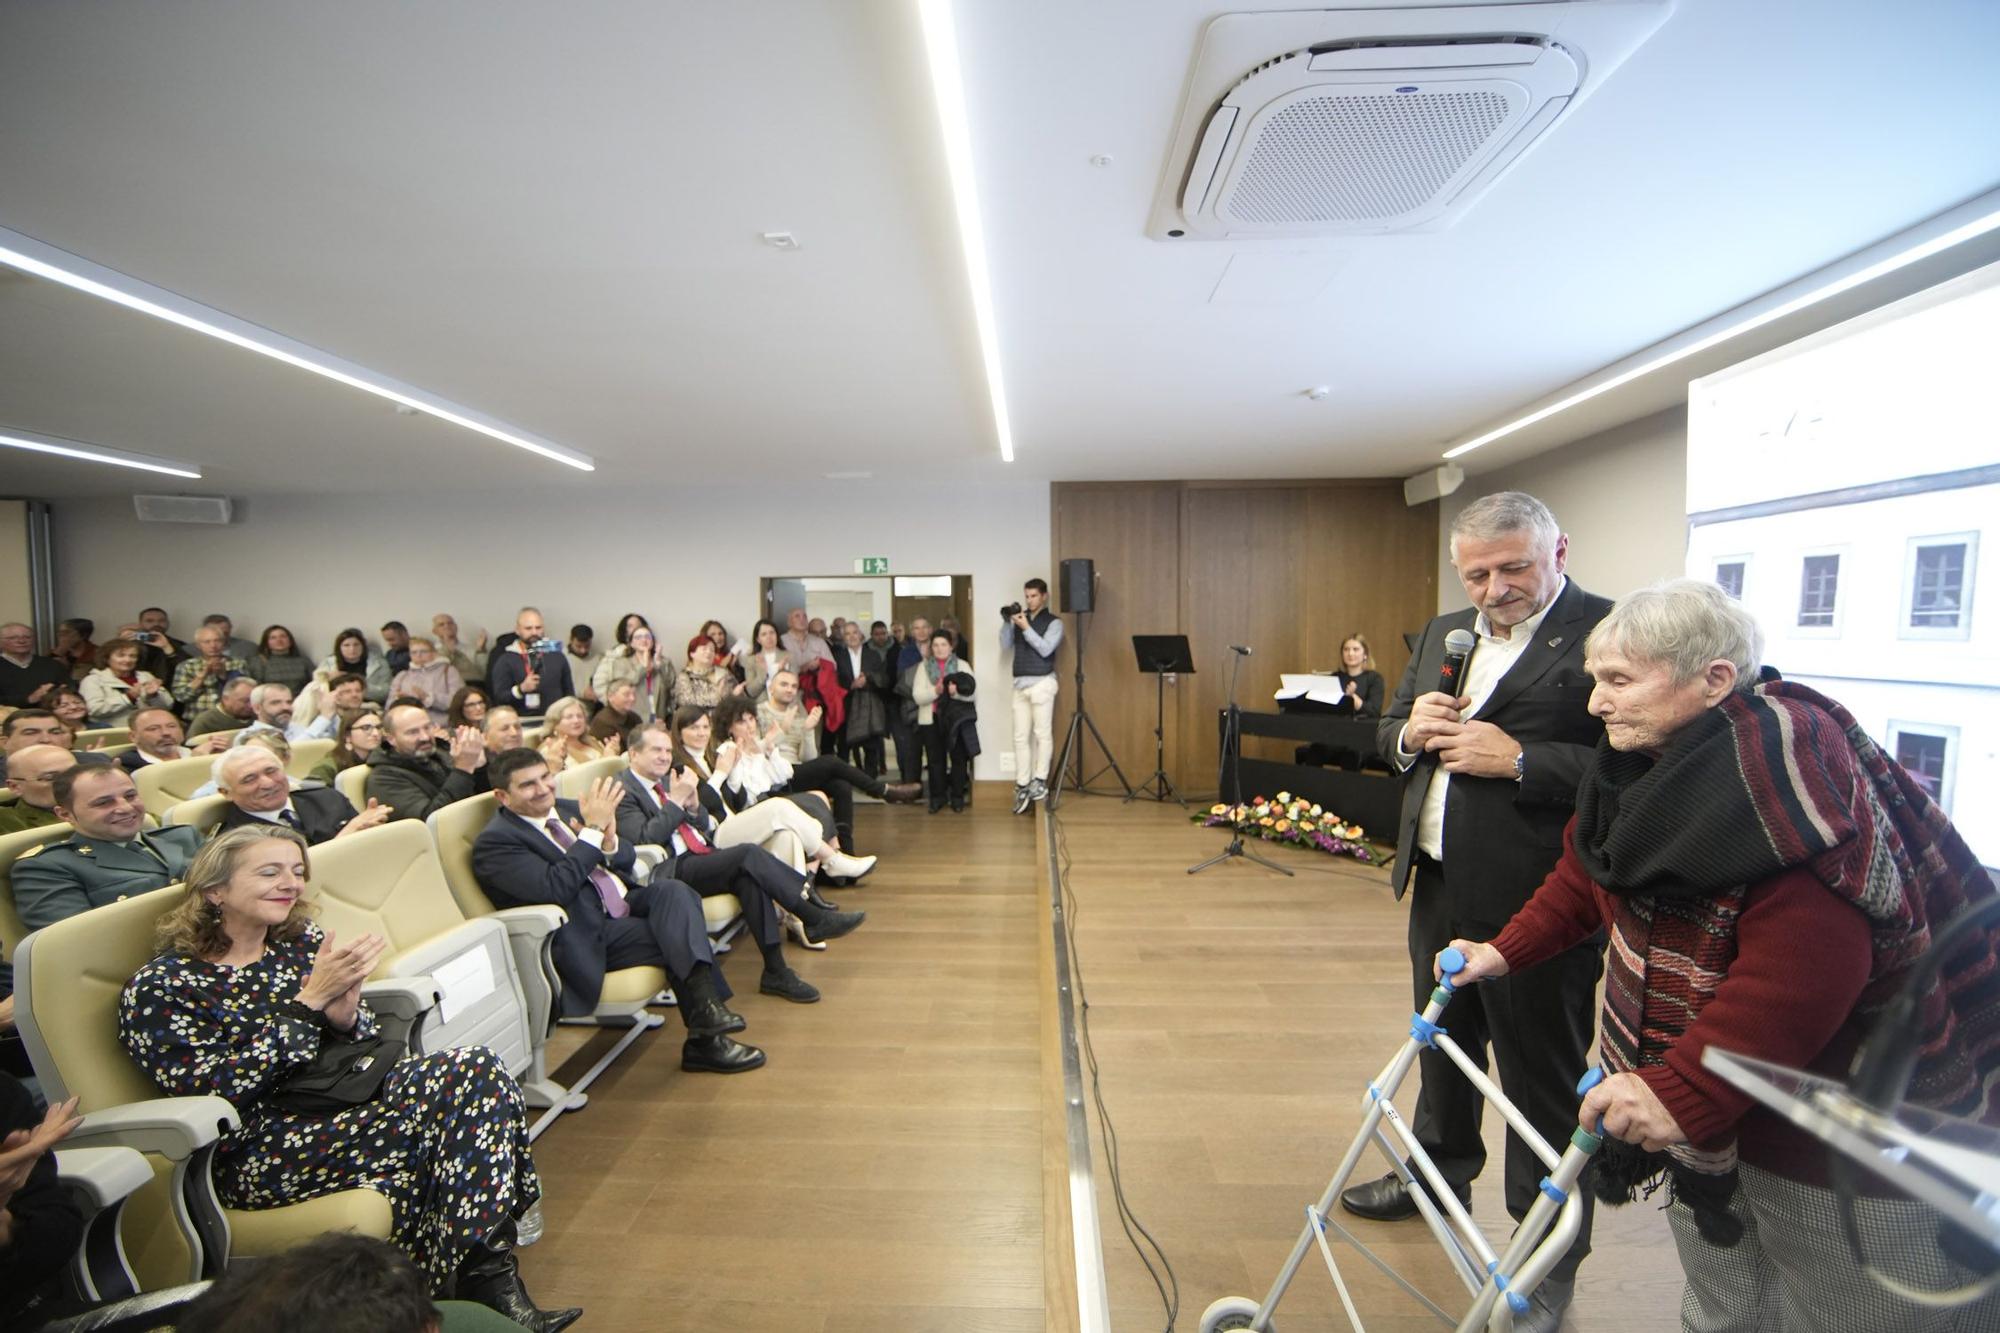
(510, 668)
(322, 813)
(874, 670)
(1503, 837)
(642, 819)
(517, 865)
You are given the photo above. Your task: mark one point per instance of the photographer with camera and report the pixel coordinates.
(531, 672)
(1031, 635)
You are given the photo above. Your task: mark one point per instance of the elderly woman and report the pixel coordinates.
(429, 679)
(118, 688)
(638, 660)
(278, 660)
(1769, 879)
(701, 683)
(246, 991)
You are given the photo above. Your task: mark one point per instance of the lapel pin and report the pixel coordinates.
(1556, 642)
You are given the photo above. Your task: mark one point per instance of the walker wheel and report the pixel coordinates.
(1231, 1312)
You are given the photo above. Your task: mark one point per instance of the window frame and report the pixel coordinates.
(1715, 565)
(1948, 777)
(1842, 579)
(1963, 629)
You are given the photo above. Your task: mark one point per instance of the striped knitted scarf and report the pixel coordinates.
(1764, 782)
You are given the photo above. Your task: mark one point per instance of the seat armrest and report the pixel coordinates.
(102, 1175)
(535, 922)
(170, 1127)
(648, 857)
(401, 997)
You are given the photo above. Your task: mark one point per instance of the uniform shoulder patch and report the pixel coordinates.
(36, 850)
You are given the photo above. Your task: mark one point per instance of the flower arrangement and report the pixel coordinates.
(1287, 818)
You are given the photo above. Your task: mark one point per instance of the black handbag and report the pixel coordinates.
(345, 1073)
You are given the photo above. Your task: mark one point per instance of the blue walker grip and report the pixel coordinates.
(1451, 962)
(1591, 1078)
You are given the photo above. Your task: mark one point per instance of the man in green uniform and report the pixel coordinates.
(109, 858)
(31, 775)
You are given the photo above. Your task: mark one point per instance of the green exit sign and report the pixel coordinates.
(872, 564)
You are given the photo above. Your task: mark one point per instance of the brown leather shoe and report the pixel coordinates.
(902, 793)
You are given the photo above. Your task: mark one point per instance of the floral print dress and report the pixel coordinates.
(446, 1141)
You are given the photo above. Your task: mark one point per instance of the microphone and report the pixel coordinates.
(1238, 648)
(1458, 646)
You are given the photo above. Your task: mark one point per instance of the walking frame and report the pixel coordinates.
(1498, 1283)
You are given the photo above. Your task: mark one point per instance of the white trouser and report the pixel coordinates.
(776, 825)
(1034, 729)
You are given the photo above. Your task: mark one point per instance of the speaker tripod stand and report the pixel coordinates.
(1080, 732)
(1229, 779)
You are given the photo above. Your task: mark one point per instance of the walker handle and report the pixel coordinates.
(1451, 962)
(1591, 1078)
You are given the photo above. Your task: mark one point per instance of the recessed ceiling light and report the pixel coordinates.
(45, 261)
(1319, 392)
(95, 453)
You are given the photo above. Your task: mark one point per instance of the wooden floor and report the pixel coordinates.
(883, 1171)
(1237, 1017)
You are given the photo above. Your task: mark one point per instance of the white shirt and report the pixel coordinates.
(1491, 660)
(273, 816)
(755, 775)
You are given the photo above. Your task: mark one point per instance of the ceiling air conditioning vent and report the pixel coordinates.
(181, 508)
(1377, 120)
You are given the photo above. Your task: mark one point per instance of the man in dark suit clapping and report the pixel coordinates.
(254, 780)
(1489, 782)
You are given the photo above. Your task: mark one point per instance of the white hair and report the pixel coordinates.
(1684, 624)
(1504, 512)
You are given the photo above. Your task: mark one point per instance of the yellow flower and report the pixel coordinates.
(1283, 825)
(1266, 822)
(1218, 809)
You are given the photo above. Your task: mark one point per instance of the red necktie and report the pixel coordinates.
(607, 888)
(690, 835)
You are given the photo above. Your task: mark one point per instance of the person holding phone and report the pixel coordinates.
(532, 672)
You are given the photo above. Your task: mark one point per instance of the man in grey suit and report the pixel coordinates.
(108, 859)
(1490, 773)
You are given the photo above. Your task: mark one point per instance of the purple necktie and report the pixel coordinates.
(615, 905)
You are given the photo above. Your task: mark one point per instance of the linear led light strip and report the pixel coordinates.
(941, 44)
(45, 261)
(1953, 227)
(94, 453)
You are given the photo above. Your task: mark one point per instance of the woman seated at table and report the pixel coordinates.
(247, 991)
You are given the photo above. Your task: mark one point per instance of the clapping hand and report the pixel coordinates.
(334, 985)
(599, 807)
(612, 745)
(681, 789)
(20, 1151)
(468, 750)
(375, 815)
(812, 718)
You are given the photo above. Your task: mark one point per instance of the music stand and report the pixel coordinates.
(1163, 655)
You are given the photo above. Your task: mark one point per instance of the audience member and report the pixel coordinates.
(110, 856)
(407, 773)
(864, 673)
(232, 645)
(897, 634)
(803, 644)
(569, 854)
(352, 656)
(31, 776)
(902, 709)
(933, 685)
(118, 688)
(276, 660)
(797, 727)
(359, 735)
(273, 709)
(468, 708)
(471, 663)
(628, 622)
(1360, 683)
(340, 1282)
(701, 682)
(880, 640)
(774, 771)
(531, 672)
(232, 710)
(766, 657)
(33, 726)
(74, 648)
(395, 647)
(66, 702)
(726, 653)
(198, 682)
(26, 677)
(584, 658)
(164, 653)
(445, 1138)
(566, 737)
(429, 679)
(254, 781)
(157, 737)
(808, 816)
(41, 1228)
(639, 661)
(501, 729)
(660, 805)
(1029, 640)
(619, 715)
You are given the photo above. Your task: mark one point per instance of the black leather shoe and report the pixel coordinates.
(719, 1055)
(958, 805)
(936, 806)
(711, 1018)
(832, 925)
(902, 793)
(1386, 1200)
(788, 985)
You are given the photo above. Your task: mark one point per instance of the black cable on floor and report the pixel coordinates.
(1164, 1280)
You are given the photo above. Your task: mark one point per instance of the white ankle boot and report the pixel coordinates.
(845, 866)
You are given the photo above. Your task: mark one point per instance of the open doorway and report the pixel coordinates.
(894, 599)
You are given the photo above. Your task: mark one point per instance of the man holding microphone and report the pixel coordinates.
(1490, 770)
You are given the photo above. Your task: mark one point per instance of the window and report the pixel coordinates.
(1729, 577)
(1930, 752)
(1937, 586)
(1819, 591)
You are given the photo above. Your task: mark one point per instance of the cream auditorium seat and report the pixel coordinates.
(67, 981)
(163, 786)
(12, 846)
(353, 784)
(306, 754)
(388, 880)
(575, 779)
(627, 992)
(200, 812)
(97, 738)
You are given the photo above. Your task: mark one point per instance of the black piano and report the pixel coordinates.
(1357, 787)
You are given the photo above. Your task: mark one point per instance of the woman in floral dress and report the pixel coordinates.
(245, 992)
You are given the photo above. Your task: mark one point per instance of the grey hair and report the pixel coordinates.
(262, 692)
(1685, 624)
(1504, 512)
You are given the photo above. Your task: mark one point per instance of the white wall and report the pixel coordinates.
(1620, 495)
(318, 564)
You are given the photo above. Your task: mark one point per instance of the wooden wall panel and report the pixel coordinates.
(1287, 568)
